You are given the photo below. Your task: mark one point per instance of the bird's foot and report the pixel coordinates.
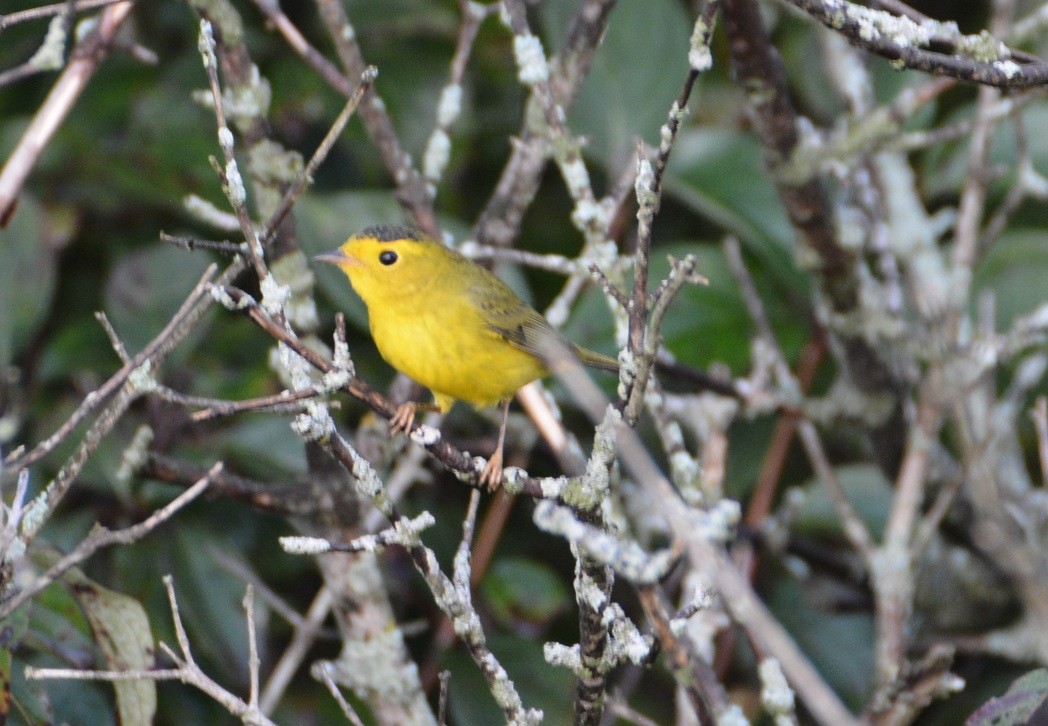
(491, 477)
(403, 418)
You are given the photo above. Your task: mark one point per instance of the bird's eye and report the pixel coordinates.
(388, 257)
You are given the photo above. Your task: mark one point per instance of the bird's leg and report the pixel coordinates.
(492, 475)
(404, 415)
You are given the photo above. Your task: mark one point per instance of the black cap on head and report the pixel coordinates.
(391, 233)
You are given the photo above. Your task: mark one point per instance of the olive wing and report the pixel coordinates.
(515, 321)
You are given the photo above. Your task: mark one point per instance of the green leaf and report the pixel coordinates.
(839, 645)
(1016, 707)
(629, 89)
(524, 593)
(867, 490)
(145, 289)
(122, 632)
(1015, 269)
(29, 245)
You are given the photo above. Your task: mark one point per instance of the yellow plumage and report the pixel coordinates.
(447, 322)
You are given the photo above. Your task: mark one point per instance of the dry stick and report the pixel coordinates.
(367, 80)
(101, 537)
(648, 208)
(533, 72)
(195, 676)
(327, 70)
(552, 430)
(187, 315)
(696, 678)
(45, 504)
(85, 59)
(499, 222)
(271, 598)
(44, 11)
(868, 131)
(973, 196)
(283, 402)
(442, 707)
(347, 710)
(232, 181)
(935, 514)
(438, 147)
(411, 189)
(191, 244)
(904, 10)
(252, 647)
(363, 543)
(893, 578)
(275, 497)
(296, 651)
(854, 528)
(764, 490)
(452, 595)
(127, 391)
(760, 71)
(1002, 73)
(1021, 188)
(549, 262)
(915, 140)
(760, 504)
(736, 592)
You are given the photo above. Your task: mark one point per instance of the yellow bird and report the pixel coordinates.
(450, 325)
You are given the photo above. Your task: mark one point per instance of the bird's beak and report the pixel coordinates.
(336, 257)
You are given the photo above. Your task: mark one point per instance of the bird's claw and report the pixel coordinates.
(491, 477)
(403, 418)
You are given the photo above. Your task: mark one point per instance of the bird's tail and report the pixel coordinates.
(595, 360)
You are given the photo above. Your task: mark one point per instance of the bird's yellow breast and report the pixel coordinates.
(443, 343)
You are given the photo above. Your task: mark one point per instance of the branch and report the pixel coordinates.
(759, 71)
(899, 39)
(468, 468)
(67, 89)
(187, 670)
(101, 537)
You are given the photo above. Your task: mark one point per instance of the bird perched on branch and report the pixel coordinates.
(451, 325)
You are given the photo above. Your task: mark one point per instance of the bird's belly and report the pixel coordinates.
(464, 362)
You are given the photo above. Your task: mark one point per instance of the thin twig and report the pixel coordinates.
(347, 710)
(187, 315)
(46, 11)
(847, 18)
(411, 189)
(1039, 414)
(296, 651)
(232, 182)
(67, 89)
(101, 537)
(705, 693)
